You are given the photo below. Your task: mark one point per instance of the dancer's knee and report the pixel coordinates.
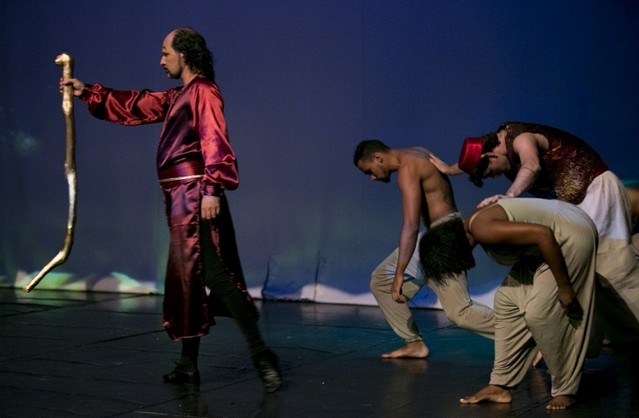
(379, 281)
(461, 317)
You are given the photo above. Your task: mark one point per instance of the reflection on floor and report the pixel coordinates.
(103, 355)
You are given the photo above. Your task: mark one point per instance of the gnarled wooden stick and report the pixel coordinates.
(66, 61)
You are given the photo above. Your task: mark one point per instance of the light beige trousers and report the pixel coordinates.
(453, 297)
(617, 310)
(529, 318)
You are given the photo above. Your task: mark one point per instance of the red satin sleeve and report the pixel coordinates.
(220, 165)
(126, 107)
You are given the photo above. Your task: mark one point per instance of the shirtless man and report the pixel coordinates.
(426, 195)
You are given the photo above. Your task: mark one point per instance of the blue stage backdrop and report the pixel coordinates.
(304, 81)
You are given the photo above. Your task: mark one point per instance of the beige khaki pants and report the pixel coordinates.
(607, 204)
(453, 297)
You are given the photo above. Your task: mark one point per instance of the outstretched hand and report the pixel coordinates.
(77, 85)
(449, 170)
(490, 200)
(439, 164)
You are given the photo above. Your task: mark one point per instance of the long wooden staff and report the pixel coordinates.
(66, 61)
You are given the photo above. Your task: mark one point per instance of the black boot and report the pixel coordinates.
(267, 366)
(183, 373)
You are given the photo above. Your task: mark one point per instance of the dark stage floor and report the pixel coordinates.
(72, 354)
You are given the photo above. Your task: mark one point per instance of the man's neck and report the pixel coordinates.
(187, 76)
(394, 159)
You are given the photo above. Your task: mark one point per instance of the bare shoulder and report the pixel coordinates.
(529, 140)
(417, 162)
(418, 152)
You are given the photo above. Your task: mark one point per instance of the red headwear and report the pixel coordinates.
(470, 154)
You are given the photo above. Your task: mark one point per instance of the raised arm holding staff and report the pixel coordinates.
(196, 166)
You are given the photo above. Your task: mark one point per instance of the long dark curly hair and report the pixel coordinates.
(196, 54)
(444, 251)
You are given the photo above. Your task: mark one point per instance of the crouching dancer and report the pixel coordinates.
(545, 303)
(426, 195)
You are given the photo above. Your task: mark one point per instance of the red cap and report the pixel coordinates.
(470, 154)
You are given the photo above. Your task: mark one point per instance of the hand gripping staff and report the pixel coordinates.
(66, 61)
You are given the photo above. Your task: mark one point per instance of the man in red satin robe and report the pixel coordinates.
(196, 166)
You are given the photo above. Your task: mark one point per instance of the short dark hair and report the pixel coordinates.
(196, 54)
(490, 142)
(445, 251)
(366, 149)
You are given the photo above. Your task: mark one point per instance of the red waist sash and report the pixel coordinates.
(184, 171)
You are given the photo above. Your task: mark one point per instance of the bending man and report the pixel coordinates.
(426, 195)
(545, 303)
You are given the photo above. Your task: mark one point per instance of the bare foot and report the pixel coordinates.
(561, 402)
(415, 349)
(490, 393)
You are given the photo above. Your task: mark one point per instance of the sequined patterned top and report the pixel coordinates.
(568, 166)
